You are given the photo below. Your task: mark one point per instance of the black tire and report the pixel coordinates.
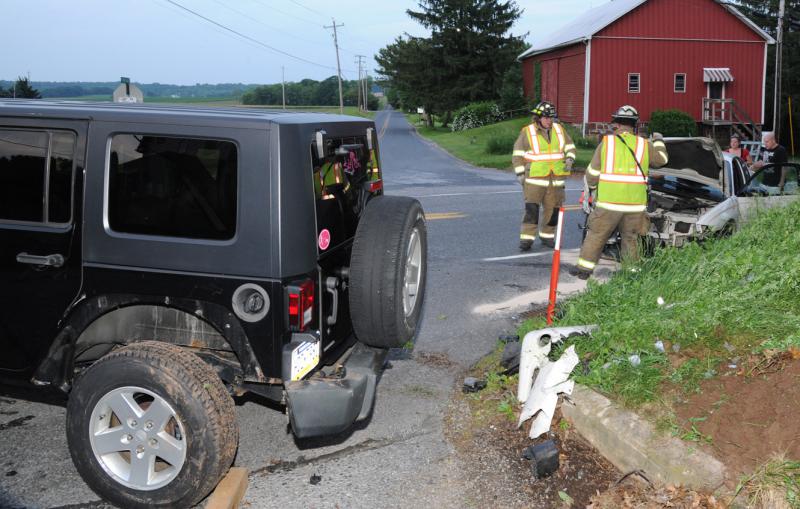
(204, 413)
(378, 271)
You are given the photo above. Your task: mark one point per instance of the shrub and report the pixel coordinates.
(476, 115)
(500, 144)
(673, 123)
(577, 138)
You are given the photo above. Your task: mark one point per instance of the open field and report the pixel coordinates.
(225, 102)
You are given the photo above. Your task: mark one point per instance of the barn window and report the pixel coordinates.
(680, 82)
(633, 83)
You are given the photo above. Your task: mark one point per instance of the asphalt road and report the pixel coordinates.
(477, 284)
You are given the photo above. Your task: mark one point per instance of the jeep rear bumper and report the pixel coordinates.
(329, 405)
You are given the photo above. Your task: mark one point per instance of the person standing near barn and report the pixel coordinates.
(542, 158)
(618, 172)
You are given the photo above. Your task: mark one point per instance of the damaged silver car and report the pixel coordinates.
(704, 192)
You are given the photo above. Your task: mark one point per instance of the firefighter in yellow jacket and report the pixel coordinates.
(543, 157)
(618, 172)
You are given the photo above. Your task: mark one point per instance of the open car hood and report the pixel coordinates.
(693, 159)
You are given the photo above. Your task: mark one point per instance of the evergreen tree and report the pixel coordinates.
(464, 59)
(22, 89)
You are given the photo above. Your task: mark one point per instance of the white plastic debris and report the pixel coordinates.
(659, 346)
(535, 349)
(635, 360)
(552, 380)
(660, 301)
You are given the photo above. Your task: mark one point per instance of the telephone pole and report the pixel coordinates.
(776, 110)
(283, 87)
(338, 66)
(362, 71)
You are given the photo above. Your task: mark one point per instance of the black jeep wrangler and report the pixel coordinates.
(155, 261)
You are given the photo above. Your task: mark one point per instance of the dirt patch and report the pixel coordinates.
(748, 415)
(434, 359)
(633, 494)
(490, 448)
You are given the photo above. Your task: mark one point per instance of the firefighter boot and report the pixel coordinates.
(525, 244)
(580, 272)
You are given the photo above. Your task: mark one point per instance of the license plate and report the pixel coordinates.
(304, 358)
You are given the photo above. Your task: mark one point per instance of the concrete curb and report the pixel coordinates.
(632, 443)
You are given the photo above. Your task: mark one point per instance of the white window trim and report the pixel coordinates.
(639, 82)
(675, 83)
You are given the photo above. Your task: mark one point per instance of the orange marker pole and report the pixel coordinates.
(551, 306)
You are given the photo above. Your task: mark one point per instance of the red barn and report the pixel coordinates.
(700, 56)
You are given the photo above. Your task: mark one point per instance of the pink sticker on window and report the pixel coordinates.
(324, 239)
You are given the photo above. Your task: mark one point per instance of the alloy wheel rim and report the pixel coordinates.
(413, 275)
(137, 438)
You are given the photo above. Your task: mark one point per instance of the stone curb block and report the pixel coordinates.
(632, 443)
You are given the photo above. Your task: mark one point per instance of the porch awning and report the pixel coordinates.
(716, 74)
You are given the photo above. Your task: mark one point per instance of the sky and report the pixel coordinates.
(161, 41)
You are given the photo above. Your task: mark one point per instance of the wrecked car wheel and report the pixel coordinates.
(151, 425)
(388, 272)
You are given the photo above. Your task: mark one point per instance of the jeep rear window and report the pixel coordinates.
(175, 187)
(36, 176)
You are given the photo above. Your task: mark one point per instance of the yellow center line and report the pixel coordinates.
(384, 126)
(444, 215)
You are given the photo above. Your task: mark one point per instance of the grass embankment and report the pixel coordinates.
(473, 145)
(739, 292)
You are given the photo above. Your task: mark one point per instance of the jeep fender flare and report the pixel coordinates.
(57, 366)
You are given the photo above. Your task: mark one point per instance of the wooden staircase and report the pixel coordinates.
(727, 114)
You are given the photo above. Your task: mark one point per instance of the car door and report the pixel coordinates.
(774, 185)
(40, 250)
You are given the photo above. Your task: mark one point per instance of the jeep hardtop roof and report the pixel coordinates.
(165, 114)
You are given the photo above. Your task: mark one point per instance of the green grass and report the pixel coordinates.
(472, 145)
(742, 290)
(775, 484)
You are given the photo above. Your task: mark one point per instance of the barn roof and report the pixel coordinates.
(594, 20)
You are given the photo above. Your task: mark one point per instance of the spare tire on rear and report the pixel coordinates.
(387, 271)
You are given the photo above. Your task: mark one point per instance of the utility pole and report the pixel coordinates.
(338, 66)
(776, 111)
(362, 75)
(358, 62)
(366, 89)
(283, 86)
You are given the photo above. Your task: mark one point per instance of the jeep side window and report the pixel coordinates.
(36, 176)
(175, 187)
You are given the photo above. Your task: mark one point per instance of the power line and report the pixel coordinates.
(309, 9)
(247, 37)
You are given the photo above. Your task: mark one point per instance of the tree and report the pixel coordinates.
(764, 13)
(22, 89)
(464, 59)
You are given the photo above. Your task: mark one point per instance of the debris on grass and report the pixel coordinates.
(553, 379)
(472, 384)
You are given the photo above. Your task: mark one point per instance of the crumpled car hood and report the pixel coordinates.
(695, 159)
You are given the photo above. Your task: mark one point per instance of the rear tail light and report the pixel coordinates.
(375, 185)
(301, 305)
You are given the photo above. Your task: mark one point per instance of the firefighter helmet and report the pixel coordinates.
(628, 114)
(544, 110)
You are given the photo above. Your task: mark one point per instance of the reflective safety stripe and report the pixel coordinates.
(628, 179)
(611, 145)
(591, 171)
(641, 144)
(525, 236)
(560, 134)
(619, 207)
(519, 169)
(586, 264)
(659, 144)
(328, 197)
(518, 153)
(533, 138)
(547, 235)
(530, 156)
(569, 146)
(546, 182)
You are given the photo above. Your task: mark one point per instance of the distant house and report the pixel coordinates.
(700, 56)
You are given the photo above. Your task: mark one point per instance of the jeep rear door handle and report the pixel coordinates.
(53, 260)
